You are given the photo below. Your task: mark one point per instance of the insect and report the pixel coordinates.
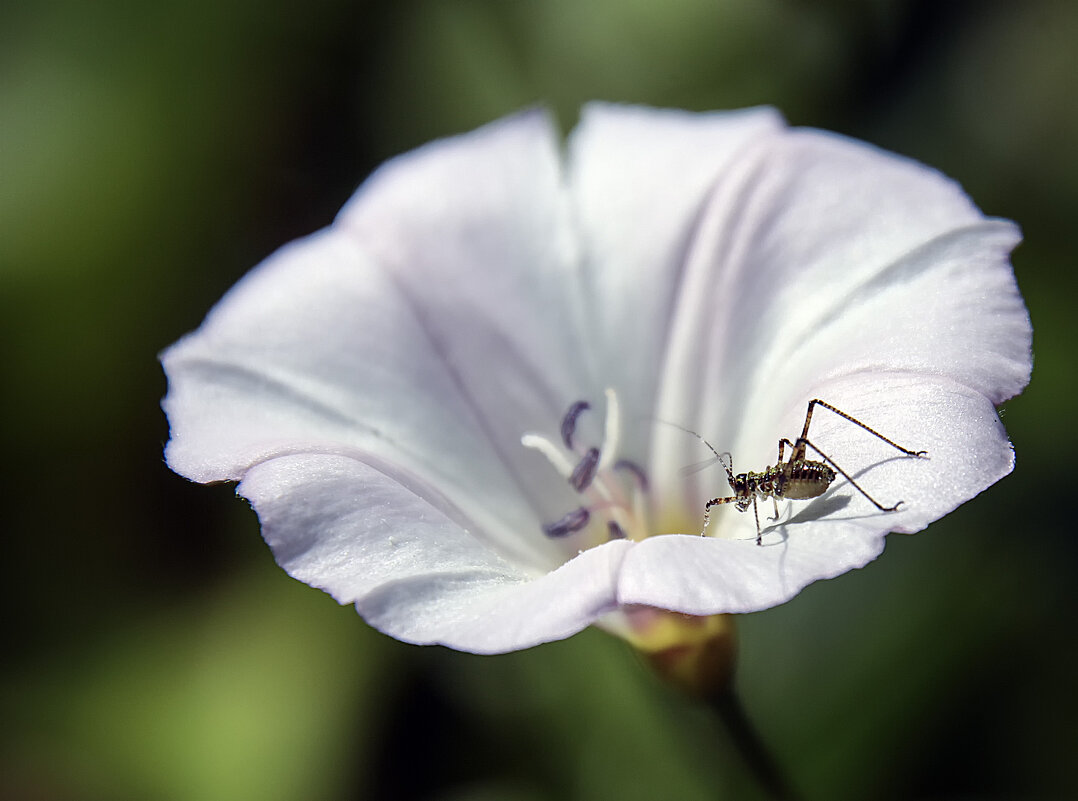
(799, 478)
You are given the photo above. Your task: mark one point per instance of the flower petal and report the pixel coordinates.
(412, 572)
(476, 232)
(317, 351)
(639, 178)
(950, 307)
(704, 576)
(820, 256)
(841, 530)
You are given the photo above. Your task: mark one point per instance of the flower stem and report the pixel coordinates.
(759, 760)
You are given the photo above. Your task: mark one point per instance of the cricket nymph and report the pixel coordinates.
(799, 478)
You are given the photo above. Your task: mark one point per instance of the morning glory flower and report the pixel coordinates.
(462, 407)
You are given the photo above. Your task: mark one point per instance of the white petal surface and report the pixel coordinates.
(476, 232)
(704, 576)
(640, 177)
(433, 326)
(316, 351)
(819, 256)
(412, 572)
(841, 530)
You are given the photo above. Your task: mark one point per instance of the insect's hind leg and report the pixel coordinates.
(782, 442)
(856, 422)
(848, 477)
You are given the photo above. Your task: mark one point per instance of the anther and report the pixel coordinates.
(570, 524)
(616, 532)
(636, 470)
(584, 472)
(568, 423)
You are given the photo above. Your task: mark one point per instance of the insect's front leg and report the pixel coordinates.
(707, 510)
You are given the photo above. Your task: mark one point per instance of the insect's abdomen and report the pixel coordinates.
(807, 480)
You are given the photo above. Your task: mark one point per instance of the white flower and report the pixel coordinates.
(389, 391)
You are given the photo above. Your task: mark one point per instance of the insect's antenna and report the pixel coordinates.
(727, 462)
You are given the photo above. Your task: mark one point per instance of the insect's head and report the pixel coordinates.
(739, 483)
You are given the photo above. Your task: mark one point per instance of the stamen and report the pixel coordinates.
(636, 470)
(568, 423)
(622, 505)
(612, 429)
(571, 523)
(584, 472)
(550, 451)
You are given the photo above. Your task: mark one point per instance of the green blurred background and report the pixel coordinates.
(150, 153)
